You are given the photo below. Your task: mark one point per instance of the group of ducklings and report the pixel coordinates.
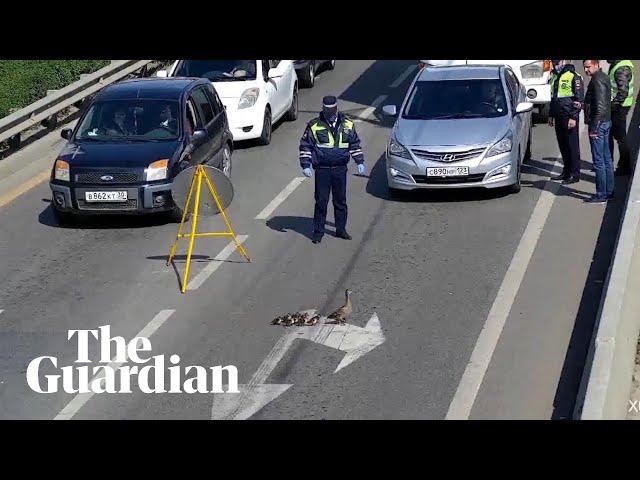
(300, 319)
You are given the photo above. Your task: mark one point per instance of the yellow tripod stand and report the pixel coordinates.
(199, 175)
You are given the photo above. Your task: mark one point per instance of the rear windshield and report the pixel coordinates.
(218, 70)
(132, 120)
(444, 99)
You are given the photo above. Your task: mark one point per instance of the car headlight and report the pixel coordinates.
(533, 70)
(397, 149)
(62, 171)
(157, 170)
(503, 146)
(248, 98)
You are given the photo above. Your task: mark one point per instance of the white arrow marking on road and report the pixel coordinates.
(252, 397)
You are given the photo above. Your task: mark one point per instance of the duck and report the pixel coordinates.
(278, 320)
(341, 314)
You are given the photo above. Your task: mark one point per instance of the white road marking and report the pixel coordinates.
(68, 412)
(281, 197)
(353, 340)
(368, 112)
(206, 272)
(465, 396)
(398, 81)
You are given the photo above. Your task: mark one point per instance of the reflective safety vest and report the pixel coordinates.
(614, 85)
(565, 88)
(324, 137)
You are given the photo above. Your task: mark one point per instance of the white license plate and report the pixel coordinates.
(447, 171)
(105, 196)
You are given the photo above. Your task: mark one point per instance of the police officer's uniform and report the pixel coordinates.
(621, 76)
(567, 97)
(326, 145)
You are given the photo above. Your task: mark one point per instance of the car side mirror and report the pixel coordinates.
(198, 136)
(524, 107)
(66, 133)
(390, 110)
(162, 73)
(273, 73)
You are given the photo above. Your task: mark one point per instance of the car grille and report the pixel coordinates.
(473, 178)
(118, 177)
(131, 204)
(450, 156)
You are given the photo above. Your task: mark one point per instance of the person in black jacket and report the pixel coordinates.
(621, 78)
(567, 95)
(597, 115)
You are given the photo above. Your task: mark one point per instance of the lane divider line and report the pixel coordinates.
(281, 197)
(212, 266)
(398, 81)
(68, 412)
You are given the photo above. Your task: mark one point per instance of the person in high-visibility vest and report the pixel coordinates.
(567, 97)
(621, 75)
(328, 143)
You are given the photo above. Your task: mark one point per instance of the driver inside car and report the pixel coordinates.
(166, 119)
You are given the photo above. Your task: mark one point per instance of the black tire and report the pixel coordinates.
(516, 187)
(292, 113)
(265, 138)
(331, 64)
(226, 163)
(308, 77)
(63, 219)
(543, 113)
(527, 153)
(175, 215)
(397, 193)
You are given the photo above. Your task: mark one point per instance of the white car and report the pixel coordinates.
(533, 74)
(255, 93)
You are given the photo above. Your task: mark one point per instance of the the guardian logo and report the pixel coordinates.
(112, 372)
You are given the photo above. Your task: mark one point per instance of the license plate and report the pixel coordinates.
(447, 171)
(105, 196)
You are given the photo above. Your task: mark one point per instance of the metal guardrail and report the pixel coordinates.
(57, 100)
(608, 377)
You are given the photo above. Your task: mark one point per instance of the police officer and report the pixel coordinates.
(567, 97)
(326, 145)
(621, 75)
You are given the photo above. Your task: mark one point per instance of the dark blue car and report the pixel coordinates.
(132, 140)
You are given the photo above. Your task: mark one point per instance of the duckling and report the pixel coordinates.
(288, 320)
(312, 321)
(341, 314)
(278, 320)
(301, 318)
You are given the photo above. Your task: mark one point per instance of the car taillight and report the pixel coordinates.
(547, 66)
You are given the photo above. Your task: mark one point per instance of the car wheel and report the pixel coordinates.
(292, 113)
(527, 153)
(225, 165)
(543, 113)
(265, 138)
(516, 187)
(331, 65)
(175, 215)
(308, 77)
(63, 219)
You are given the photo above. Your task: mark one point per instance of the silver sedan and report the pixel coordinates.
(459, 127)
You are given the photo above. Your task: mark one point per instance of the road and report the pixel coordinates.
(485, 301)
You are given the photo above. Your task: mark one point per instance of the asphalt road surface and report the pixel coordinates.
(485, 301)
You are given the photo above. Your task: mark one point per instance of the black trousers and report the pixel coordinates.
(619, 133)
(569, 143)
(330, 181)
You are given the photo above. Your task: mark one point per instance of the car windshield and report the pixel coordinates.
(130, 120)
(445, 99)
(218, 70)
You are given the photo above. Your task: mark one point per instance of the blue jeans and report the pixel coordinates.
(602, 161)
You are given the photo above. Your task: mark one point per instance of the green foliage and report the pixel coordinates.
(23, 82)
